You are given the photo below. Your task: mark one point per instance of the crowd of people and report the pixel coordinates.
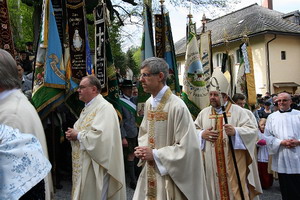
(228, 152)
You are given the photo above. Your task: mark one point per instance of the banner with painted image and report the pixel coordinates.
(77, 38)
(194, 93)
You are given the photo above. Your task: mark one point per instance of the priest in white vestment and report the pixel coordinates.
(97, 155)
(16, 111)
(282, 133)
(168, 147)
(219, 168)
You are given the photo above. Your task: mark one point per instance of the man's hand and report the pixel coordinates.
(144, 153)
(229, 130)
(71, 134)
(290, 143)
(210, 135)
(124, 142)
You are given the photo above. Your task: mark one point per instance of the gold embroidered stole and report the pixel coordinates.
(152, 117)
(220, 155)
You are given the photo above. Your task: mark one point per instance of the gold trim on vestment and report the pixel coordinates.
(152, 117)
(220, 154)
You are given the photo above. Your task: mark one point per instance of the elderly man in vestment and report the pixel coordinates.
(168, 147)
(282, 133)
(97, 156)
(16, 111)
(220, 172)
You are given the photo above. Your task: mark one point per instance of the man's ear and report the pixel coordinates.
(161, 76)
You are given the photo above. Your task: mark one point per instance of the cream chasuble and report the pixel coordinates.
(99, 152)
(170, 130)
(16, 111)
(219, 169)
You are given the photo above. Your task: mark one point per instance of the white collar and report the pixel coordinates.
(155, 100)
(126, 97)
(90, 102)
(6, 93)
(219, 110)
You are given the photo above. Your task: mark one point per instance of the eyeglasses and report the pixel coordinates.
(82, 86)
(282, 100)
(145, 75)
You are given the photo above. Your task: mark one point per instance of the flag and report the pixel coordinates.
(195, 93)
(89, 64)
(49, 74)
(6, 39)
(72, 99)
(246, 75)
(165, 48)
(206, 57)
(147, 49)
(77, 38)
(170, 57)
(105, 68)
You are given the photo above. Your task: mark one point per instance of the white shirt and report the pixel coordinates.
(282, 126)
(262, 153)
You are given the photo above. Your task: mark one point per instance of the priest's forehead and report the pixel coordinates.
(284, 95)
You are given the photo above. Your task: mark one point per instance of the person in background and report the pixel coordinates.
(168, 146)
(16, 111)
(135, 91)
(240, 100)
(98, 167)
(266, 179)
(267, 111)
(282, 133)
(23, 165)
(26, 63)
(129, 130)
(26, 83)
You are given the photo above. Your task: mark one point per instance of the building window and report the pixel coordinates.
(283, 55)
(219, 57)
(238, 56)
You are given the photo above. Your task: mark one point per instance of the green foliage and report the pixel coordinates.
(130, 61)
(21, 23)
(115, 43)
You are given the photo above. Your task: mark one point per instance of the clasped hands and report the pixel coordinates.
(143, 153)
(290, 143)
(71, 134)
(212, 135)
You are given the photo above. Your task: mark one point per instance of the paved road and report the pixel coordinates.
(65, 194)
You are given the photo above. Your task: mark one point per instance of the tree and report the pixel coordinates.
(21, 23)
(115, 43)
(130, 61)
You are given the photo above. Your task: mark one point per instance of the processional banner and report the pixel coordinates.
(6, 39)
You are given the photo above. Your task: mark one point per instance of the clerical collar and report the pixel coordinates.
(155, 100)
(219, 110)
(90, 102)
(283, 111)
